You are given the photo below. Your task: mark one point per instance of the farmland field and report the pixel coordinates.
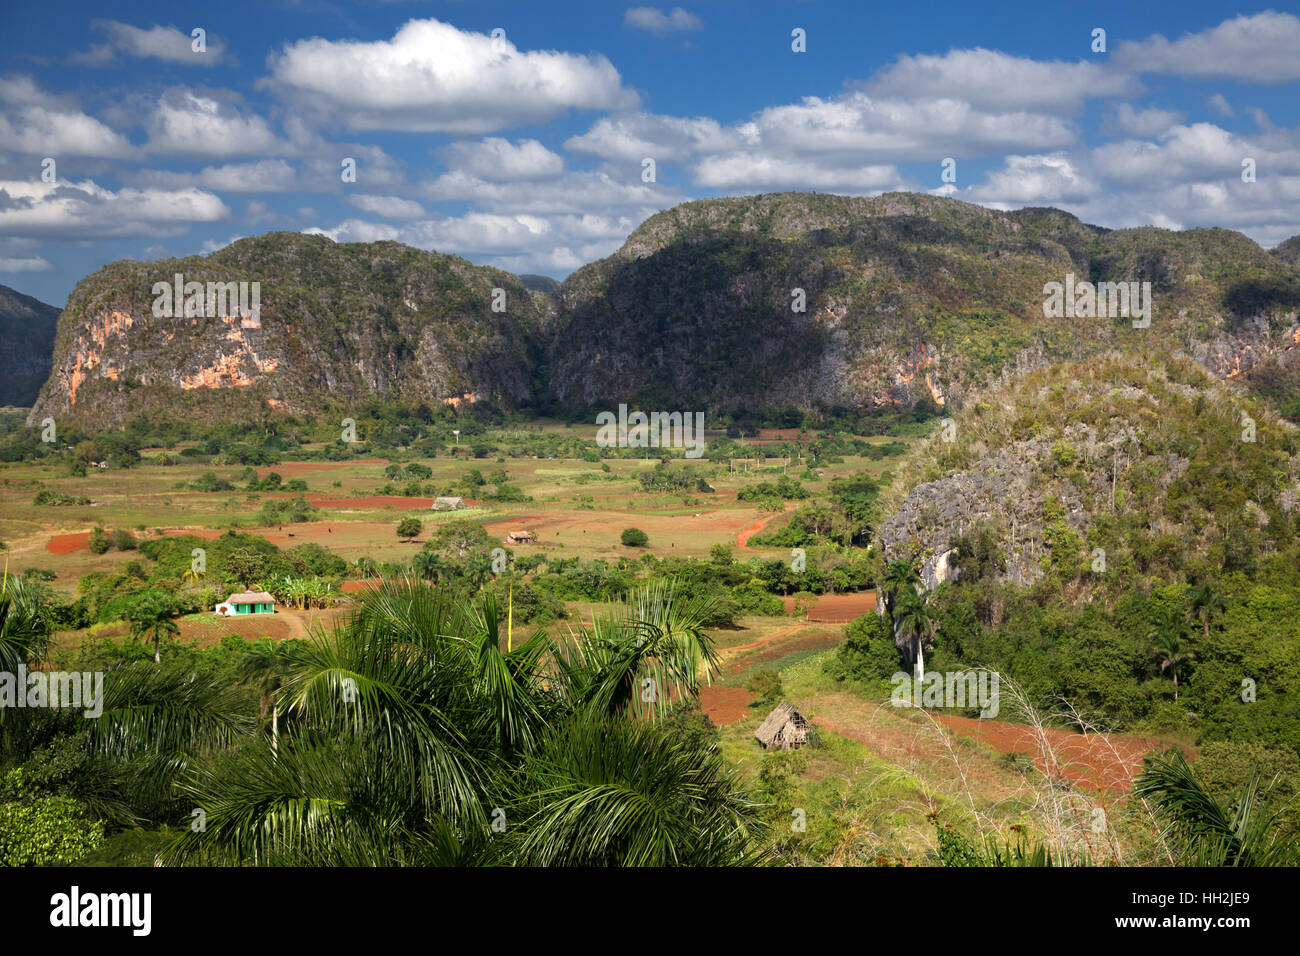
(575, 509)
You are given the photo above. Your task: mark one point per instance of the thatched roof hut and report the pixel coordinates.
(784, 728)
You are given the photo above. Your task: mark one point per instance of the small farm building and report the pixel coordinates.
(247, 602)
(784, 728)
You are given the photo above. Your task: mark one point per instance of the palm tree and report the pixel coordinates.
(427, 565)
(265, 665)
(1251, 830)
(190, 576)
(652, 650)
(153, 614)
(899, 577)
(610, 793)
(24, 624)
(1206, 601)
(914, 627)
(1170, 651)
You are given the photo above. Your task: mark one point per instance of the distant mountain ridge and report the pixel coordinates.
(27, 328)
(906, 298)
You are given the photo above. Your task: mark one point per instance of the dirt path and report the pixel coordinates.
(774, 636)
(753, 528)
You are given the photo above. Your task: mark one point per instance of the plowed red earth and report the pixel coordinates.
(724, 705)
(837, 608)
(1093, 761)
(68, 543)
(842, 608)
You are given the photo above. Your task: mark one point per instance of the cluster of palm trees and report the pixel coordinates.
(407, 735)
(913, 621)
(472, 571)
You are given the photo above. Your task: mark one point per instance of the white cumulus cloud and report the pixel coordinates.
(85, 210)
(499, 160)
(433, 77)
(390, 207)
(1259, 48)
(185, 122)
(40, 124)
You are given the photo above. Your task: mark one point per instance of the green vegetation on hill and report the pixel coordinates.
(760, 307)
(1125, 536)
(909, 298)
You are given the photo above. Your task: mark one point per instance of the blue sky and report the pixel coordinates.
(527, 151)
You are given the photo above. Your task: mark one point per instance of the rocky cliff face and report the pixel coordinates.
(812, 301)
(26, 341)
(335, 325)
(1141, 456)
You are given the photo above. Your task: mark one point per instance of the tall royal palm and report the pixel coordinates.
(1170, 650)
(900, 576)
(914, 628)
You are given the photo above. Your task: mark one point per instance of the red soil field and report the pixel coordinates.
(79, 541)
(1094, 761)
(837, 608)
(842, 608)
(724, 705)
(68, 543)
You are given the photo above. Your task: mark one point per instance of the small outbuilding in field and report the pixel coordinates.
(448, 503)
(784, 728)
(519, 537)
